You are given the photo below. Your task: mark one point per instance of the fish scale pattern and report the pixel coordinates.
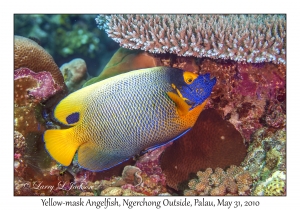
(124, 115)
(128, 119)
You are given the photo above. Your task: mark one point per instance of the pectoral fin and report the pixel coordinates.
(182, 107)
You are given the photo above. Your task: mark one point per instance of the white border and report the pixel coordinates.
(153, 6)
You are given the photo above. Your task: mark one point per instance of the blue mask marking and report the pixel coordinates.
(199, 90)
(195, 93)
(73, 118)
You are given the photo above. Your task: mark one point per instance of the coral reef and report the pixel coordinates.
(33, 87)
(242, 38)
(30, 91)
(212, 142)
(19, 152)
(235, 181)
(133, 181)
(21, 187)
(266, 161)
(28, 53)
(67, 36)
(33, 91)
(150, 162)
(75, 74)
(243, 91)
(273, 186)
(249, 97)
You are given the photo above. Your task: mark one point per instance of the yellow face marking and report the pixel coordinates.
(182, 106)
(189, 77)
(178, 92)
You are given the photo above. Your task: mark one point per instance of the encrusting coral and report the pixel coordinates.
(234, 181)
(266, 161)
(248, 95)
(34, 89)
(242, 38)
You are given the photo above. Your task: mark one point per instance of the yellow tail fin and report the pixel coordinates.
(60, 145)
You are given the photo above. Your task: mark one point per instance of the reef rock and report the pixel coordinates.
(75, 74)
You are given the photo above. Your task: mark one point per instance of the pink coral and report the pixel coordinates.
(150, 162)
(242, 92)
(45, 86)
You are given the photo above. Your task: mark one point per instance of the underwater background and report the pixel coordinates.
(236, 147)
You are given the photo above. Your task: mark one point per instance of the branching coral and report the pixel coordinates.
(235, 181)
(242, 38)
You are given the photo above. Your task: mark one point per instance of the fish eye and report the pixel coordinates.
(189, 80)
(189, 77)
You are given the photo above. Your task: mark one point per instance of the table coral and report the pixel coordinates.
(212, 142)
(242, 38)
(234, 181)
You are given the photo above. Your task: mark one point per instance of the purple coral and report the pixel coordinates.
(45, 85)
(150, 163)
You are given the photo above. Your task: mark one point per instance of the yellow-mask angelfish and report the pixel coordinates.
(117, 118)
